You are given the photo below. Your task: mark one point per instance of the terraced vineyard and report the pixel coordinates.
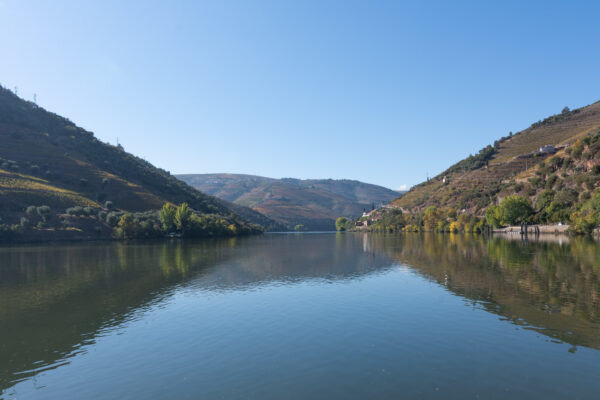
(474, 188)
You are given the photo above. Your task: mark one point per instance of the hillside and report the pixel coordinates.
(46, 160)
(510, 166)
(314, 203)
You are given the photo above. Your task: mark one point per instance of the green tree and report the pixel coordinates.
(299, 228)
(183, 217)
(340, 224)
(492, 216)
(588, 218)
(514, 209)
(167, 217)
(127, 226)
(431, 218)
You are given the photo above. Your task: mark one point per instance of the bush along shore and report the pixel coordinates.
(513, 210)
(41, 223)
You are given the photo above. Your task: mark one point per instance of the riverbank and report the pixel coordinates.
(536, 229)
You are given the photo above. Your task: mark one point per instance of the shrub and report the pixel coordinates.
(536, 182)
(454, 227)
(518, 187)
(551, 181)
(556, 162)
(585, 196)
(44, 212)
(340, 224)
(544, 199)
(77, 211)
(31, 211)
(112, 218)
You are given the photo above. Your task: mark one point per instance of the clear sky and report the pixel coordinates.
(383, 92)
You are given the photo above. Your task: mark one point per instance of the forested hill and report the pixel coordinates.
(46, 160)
(313, 203)
(553, 161)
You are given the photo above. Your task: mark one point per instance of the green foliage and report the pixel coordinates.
(514, 209)
(536, 182)
(587, 219)
(431, 218)
(167, 217)
(113, 217)
(300, 227)
(340, 224)
(127, 227)
(392, 220)
(182, 217)
(551, 181)
(493, 216)
(564, 114)
(544, 199)
(473, 162)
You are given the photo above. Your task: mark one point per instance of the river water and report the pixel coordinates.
(300, 316)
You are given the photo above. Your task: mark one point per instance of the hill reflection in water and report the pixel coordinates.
(57, 300)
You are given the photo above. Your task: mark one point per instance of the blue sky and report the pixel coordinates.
(383, 92)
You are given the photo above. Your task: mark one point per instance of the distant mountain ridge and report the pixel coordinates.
(314, 203)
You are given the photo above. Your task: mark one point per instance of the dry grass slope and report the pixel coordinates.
(475, 189)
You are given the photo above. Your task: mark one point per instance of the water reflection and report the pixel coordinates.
(55, 300)
(549, 285)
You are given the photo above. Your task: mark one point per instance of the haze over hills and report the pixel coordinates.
(314, 203)
(46, 160)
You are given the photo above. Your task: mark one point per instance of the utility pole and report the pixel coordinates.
(16, 91)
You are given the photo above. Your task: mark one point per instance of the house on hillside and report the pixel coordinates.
(364, 223)
(543, 151)
(547, 149)
(367, 214)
